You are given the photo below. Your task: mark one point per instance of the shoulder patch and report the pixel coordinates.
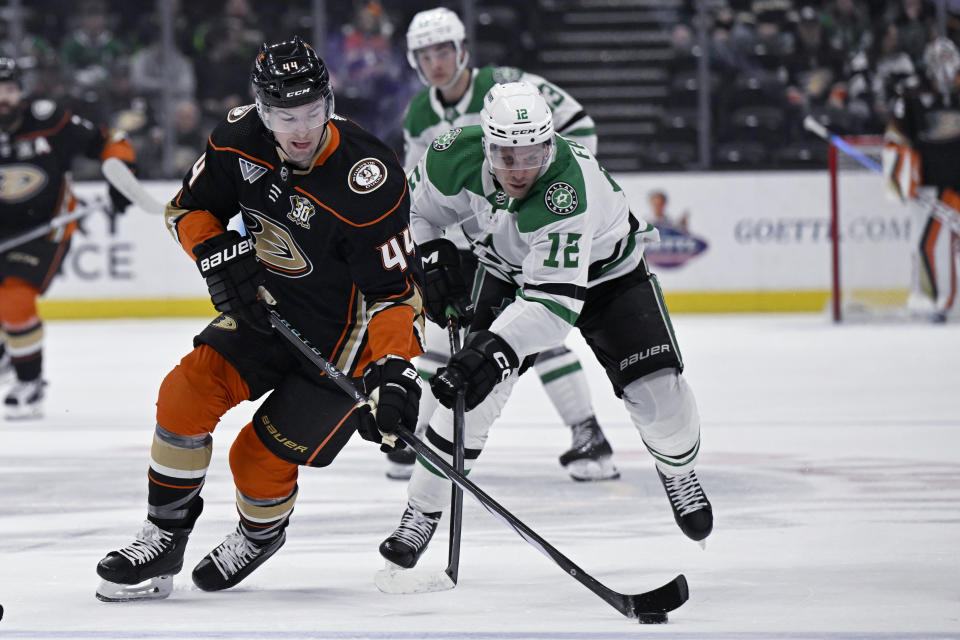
(561, 198)
(225, 322)
(251, 171)
(238, 112)
(42, 109)
(503, 75)
(444, 141)
(367, 176)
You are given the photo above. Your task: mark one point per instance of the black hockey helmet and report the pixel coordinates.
(9, 70)
(289, 74)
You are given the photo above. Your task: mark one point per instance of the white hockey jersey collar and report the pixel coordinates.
(462, 104)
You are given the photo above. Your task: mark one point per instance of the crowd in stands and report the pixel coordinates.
(775, 61)
(772, 62)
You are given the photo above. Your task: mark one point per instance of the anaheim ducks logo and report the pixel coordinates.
(276, 248)
(238, 112)
(225, 322)
(367, 175)
(19, 182)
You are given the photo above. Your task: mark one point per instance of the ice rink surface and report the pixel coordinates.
(830, 455)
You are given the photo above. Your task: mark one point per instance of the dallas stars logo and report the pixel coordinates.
(445, 140)
(561, 198)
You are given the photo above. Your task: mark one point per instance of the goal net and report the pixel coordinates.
(872, 237)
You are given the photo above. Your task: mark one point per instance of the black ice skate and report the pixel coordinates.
(233, 560)
(405, 545)
(590, 457)
(400, 462)
(145, 569)
(25, 400)
(691, 509)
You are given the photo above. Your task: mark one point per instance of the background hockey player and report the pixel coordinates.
(38, 143)
(558, 248)
(922, 152)
(326, 208)
(436, 49)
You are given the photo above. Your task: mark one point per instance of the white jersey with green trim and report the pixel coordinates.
(573, 230)
(427, 117)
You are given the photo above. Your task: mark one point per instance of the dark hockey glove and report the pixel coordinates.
(444, 288)
(228, 262)
(484, 360)
(395, 388)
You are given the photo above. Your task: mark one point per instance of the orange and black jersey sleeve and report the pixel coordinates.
(930, 125)
(334, 238)
(37, 155)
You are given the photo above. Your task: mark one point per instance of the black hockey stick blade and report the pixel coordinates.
(456, 497)
(649, 606)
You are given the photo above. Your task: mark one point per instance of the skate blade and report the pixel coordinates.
(152, 589)
(587, 470)
(394, 579)
(397, 471)
(29, 413)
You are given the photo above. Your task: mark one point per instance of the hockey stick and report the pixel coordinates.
(54, 223)
(404, 581)
(943, 212)
(648, 607)
(120, 176)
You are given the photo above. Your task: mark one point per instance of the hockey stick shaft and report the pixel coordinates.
(942, 211)
(47, 227)
(661, 600)
(119, 175)
(456, 496)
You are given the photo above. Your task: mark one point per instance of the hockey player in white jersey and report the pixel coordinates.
(453, 98)
(558, 248)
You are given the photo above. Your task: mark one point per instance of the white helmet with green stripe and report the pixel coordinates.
(517, 127)
(436, 26)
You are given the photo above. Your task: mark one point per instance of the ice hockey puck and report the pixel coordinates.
(651, 618)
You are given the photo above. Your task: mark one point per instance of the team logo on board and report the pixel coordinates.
(238, 112)
(367, 175)
(444, 141)
(251, 171)
(301, 211)
(561, 198)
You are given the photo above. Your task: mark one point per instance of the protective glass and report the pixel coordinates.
(518, 158)
(293, 119)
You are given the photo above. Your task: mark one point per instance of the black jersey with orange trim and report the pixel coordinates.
(334, 239)
(931, 124)
(35, 155)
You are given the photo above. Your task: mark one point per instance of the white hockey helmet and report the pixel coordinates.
(517, 123)
(435, 26)
(942, 62)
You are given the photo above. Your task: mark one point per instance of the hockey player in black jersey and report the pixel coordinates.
(326, 209)
(38, 143)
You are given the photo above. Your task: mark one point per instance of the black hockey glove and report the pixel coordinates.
(228, 262)
(484, 360)
(444, 287)
(395, 388)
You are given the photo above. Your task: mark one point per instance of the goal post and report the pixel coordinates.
(872, 238)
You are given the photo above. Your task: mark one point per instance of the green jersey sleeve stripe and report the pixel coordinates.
(559, 289)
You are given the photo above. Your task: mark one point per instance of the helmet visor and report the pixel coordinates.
(531, 156)
(294, 119)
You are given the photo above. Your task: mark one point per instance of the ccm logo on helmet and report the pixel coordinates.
(520, 132)
(228, 254)
(298, 92)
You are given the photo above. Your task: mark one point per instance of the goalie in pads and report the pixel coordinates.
(922, 149)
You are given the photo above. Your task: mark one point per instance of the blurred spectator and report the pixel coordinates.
(190, 135)
(916, 24)
(370, 85)
(223, 49)
(88, 52)
(815, 65)
(847, 26)
(155, 73)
